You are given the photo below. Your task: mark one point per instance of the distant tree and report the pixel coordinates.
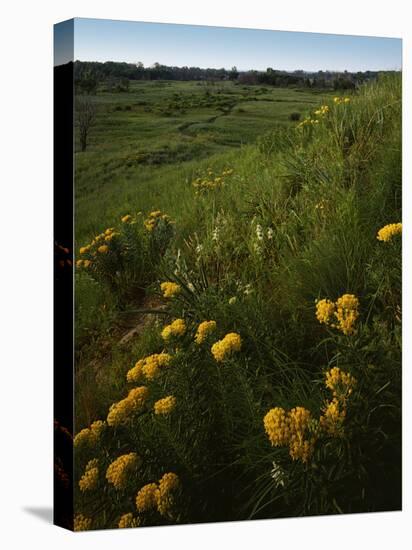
(234, 73)
(85, 116)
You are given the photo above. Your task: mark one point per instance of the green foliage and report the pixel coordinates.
(296, 221)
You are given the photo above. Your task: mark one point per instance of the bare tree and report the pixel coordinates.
(85, 113)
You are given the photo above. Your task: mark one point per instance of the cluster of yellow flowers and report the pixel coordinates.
(90, 436)
(389, 231)
(341, 385)
(224, 348)
(307, 122)
(340, 100)
(341, 315)
(165, 405)
(290, 429)
(204, 330)
(149, 367)
(99, 245)
(165, 497)
(333, 416)
(146, 498)
(122, 411)
(119, 471)
(90, 478)
(322, 111)
(175, 329)
(83, 263)
(169, 289)
(298, 430)
(160, 496)
(82, 523)
(153, 219)
(128, 521)
(210, 181)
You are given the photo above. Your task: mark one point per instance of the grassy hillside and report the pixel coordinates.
(297, 410)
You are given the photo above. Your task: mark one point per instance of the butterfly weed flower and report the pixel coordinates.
(128, 521)
(347, 312)
(324, 311)
(146, 498)
(170, 290)
(90, 478)
(153, 364)
(339, 382)
(389, 231)
(122, 411)
(120, 470)
(135, 374)
(333, 417)
(341, 315)
(165, 405)
(90, 436)
(300, 447)
(168, 487)
(204, 330)
(175, 329)
(277, 426)
(82, 523)
(224, 348)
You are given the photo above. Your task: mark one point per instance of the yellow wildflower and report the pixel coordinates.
(82, 523)
(300, 448)
(146, 498)
(334, 415)
(89, 436)
(165, 405)
(346, 313)
(90, 478)
(127, 218)
(276, 423)
(204, 330)
(324, 311)
(165, 496)
(120, 471)
(128, 521)
(103, 249)
(339, 382)
(227, 346)
(122, 411)
(87, 263)
(170, 289)
(136, 373)
(177, 328)
(84, 249)
(79, 263)
(153, 363)
(389, 231)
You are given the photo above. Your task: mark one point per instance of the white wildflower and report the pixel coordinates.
(259, 232)
(270, 233)
(278, 475)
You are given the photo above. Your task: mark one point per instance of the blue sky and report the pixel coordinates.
(168, 44)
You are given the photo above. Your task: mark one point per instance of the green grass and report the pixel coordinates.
(132, 151)
(296, 221)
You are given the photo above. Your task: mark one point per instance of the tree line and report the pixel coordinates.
(116, 76)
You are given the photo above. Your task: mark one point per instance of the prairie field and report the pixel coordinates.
(238, 303)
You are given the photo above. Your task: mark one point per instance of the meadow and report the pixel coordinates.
(238, 304)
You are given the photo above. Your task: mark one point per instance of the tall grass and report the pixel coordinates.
(292, 224)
